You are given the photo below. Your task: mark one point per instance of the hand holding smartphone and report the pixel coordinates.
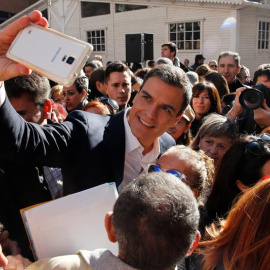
(50, 53)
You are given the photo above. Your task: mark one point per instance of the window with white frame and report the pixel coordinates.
(97, 39)
(186, 35)
(263, 35)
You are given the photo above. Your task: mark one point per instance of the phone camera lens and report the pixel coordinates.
(70, 60)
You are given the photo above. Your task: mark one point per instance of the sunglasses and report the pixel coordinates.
(213, 66)
(157, 168)
(257, 147)
(112, 104)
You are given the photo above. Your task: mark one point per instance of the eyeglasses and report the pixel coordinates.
(212, 66)
(157, 168)
(258, 147)
(112, 104)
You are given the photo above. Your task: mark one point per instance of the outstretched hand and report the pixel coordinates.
(9, 68)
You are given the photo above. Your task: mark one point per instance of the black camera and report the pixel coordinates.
(252, 98)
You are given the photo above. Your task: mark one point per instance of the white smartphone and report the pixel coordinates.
(50, 53)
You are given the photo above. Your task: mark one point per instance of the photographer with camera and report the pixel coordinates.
(251, 107)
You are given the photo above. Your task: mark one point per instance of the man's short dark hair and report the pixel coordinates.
(81, 83)
(96, 76)
(91, 65)
(173, 76)
(35, 86)
(155, 221)
(235, 55)
(151, 63)
(172, 46)
(115, 67)
(263, 70)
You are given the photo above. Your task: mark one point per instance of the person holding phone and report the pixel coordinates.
(93, 149)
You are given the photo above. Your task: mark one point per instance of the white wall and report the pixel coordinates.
(250, 57)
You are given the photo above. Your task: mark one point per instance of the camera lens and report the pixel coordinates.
(251, 99)
(70, 60)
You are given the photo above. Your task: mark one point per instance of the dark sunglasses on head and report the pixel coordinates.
(258, 147)
(112, 104)
(157, 168)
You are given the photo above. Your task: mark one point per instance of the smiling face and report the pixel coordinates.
(154, 110)
(72, 97)
(118, 88)
(228, 68)
(215, 147)
(201, 103)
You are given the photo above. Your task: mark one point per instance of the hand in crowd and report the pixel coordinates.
(9, 68)
(17, 263)
(3, 258)
(262, 115)
(9, 246)
(237, 108)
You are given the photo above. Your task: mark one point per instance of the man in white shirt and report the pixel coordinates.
(93, 149)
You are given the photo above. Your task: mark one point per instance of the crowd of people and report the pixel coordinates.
(189, 155)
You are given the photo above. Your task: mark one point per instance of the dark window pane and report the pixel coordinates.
(262, 44)
(90, 9)
(181, 45)
(173, 36)
(172, 27)
(189, 26)
(180, 27)
(188, 35)
(123, 7)
(197, 35)
(196, 26)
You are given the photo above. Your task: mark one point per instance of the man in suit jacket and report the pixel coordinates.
(93, 149)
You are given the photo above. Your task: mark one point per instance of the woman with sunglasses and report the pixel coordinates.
(196, 170)
(205, 100)
(193, 168)
(243, 241)
(244, 164)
